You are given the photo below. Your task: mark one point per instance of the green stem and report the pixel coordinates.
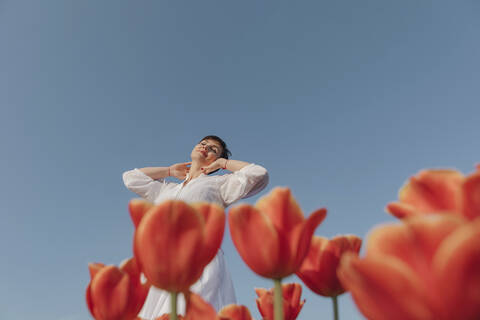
(335, 308)
(278, 299)
(173, 305)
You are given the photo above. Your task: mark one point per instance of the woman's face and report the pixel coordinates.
(206, 151)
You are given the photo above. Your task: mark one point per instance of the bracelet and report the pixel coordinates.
(225, 166)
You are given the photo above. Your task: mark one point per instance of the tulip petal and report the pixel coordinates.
(110, 291)
(164, 316)
(292, 293)
(167, 243)
(235, 312)
(384, 287)
(457, 266)
(430, 232)
(130, 267)
(138, 291)
(282, 209)
(198, 309)
(301, 238)
(255, 238)
(214, 217)
(414, 242)
(402, 210)
(265, 304)
(93, 268)
(90, 303)
(471, 196)
(260, 291)
(348, 242)
(433, 191)
(319, 268)
(296, 310)
(138, 208)
(115, 293)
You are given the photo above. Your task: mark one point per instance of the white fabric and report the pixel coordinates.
(215, 285)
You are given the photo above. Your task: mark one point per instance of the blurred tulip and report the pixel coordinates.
(174, 241)
(426, 268)
(273, 236)
(234, 312)
(166, 316)
(439, 192)
(137, 209)
(198, 309)
(115, 293)
(291, 301)
(319, 269)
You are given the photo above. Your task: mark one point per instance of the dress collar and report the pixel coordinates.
(188, 176)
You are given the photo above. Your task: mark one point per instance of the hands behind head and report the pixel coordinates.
(215, 165)
(180, 170)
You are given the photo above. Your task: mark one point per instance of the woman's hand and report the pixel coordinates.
(180, 170)
(215, 165)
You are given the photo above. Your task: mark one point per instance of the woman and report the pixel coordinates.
(208, 156)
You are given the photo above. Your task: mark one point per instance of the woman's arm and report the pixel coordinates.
(243, 183)
(156, 172)
(222, 163)
(178, 170)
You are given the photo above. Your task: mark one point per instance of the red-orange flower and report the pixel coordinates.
(425, 268)
(292, 305)
(115, 293)
(234, 312)
(273, 237)
(166, 316)
(199, 309)
(174, 241)
(319, 269)
(439, 192)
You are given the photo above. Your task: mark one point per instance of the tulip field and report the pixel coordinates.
(425, 266)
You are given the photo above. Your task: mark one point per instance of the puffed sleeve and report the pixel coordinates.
(243, 183)
(147, 188)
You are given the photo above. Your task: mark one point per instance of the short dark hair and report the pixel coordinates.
(225, 152)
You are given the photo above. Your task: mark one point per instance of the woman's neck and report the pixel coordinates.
(195, 170)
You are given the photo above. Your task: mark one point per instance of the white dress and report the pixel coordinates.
(215, 285)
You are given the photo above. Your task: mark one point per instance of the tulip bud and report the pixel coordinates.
(115, 293)
(291, 301)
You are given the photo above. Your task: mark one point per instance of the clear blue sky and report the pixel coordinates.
(340, 100)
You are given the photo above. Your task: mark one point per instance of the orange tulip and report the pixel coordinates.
(291, 301)
(439, 192)
(174, 241)
(137, 209)
(166, 316)
(426, 268)
(199, 309)
(273, 236)
(234, 312)
(319, 269)
(115, 293)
